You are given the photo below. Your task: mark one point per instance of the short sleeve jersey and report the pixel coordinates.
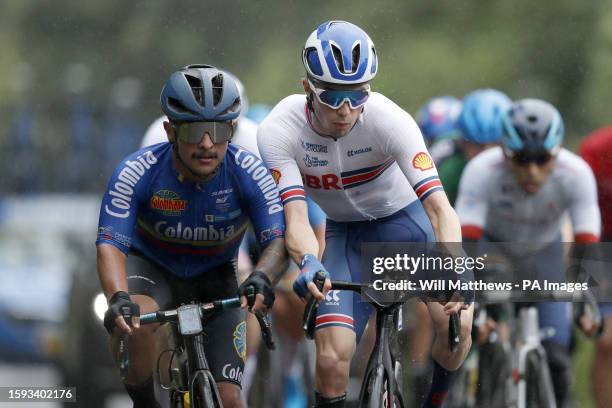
(491, 200)
(188, 228)
(379, 167)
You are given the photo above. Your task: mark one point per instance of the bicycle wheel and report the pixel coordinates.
(540, 392)
(202, 394)
(377, 395)
(493, 373)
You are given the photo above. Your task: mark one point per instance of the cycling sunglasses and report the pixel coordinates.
(525, 158)
(334, 98)
(193, 132)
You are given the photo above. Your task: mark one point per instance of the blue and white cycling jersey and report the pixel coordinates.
(188, 228)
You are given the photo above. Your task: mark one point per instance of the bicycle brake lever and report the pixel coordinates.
(454, 325)
(266, 329)
(310, 311)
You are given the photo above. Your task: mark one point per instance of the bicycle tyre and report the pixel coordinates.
(201, 394)
(375, 396)
(493, 373)
(539, 392)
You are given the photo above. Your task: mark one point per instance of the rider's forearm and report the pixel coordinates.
(111, 269)
(301, 240)
(273, 260)
(444, 220)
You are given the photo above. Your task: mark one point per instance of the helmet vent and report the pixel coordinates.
(338, 57)
(196, 87)
(356, 54)
(177, 106)
(532, 118)
(235, 107)
(217, 87)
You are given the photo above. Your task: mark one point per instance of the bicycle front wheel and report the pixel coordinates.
(540, 392)
(202, 393)
(377, 395)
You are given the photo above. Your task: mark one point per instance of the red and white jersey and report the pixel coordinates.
(491, 201)
(379, 167)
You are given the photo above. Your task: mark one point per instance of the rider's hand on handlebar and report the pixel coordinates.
(263, 290)
(304, 284)
(122, 313)
(588, 326)
(454, 304)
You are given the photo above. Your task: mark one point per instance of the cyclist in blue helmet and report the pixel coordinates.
(438, 117)
(171, 222)
(480, 127)
(363, 160)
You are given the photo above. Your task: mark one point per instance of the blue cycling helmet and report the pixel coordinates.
(438, 117)
(339, 52)
(200, 93)
(258, 112)
(481, 116)
(534, 125)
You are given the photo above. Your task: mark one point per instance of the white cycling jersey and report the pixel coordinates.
(491, 200)
(245, 134)
(381, 166)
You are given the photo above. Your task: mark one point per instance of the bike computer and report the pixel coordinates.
(190, 322)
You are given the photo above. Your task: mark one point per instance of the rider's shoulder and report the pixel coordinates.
(571, 165)
(486, 165)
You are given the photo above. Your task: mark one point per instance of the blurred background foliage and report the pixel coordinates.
(80, 81)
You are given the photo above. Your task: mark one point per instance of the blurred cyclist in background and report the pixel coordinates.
(438, 117)
(596, 149)
(480, 127)
(180, 210)
(518, 193)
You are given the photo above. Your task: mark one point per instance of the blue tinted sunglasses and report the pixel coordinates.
(334, 98)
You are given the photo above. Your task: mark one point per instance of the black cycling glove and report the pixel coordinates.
(120, 304)
(261, 283)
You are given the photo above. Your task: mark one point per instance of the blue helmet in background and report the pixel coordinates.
(200, 93)
(532, 124)
(339, 52)
(258, 112)
(481, 116)
(438, 117)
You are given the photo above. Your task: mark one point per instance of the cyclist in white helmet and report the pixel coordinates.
(363, 160)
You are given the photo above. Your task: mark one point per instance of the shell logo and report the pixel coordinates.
(422, 161)
(276, 175)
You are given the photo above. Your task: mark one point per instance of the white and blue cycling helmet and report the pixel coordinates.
(532, 125)
(438, 117)
(200, 93)
(481, 115)
(341, 53)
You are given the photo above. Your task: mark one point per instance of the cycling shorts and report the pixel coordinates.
(225, 331)
(342, 259)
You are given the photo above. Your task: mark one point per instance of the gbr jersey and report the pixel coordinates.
(490, 201)
(379, 167)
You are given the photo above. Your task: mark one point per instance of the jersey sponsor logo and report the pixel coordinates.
(325, 182)
(240, 340)
(187, 233)
(221, 192)
(259, 173)
(312, 147)
(222, 200)
(275, 231)
(232, 373)
(276, 175)
(123, 189)
(106, 234)
(422, 161)
(168, 202)
(352, 153)
(313, 161)
(332, 298)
